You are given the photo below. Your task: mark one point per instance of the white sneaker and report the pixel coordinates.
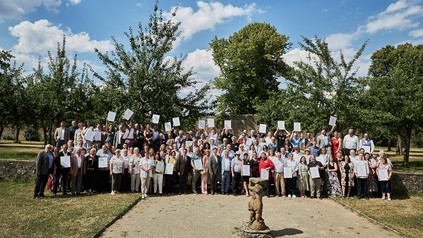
(142, 197)
(383, 197)
(389, 199)
(289, 195)
(294, 196)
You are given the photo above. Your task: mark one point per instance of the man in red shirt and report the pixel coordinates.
(266, 164)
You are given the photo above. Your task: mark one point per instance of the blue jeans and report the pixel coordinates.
(226, 181)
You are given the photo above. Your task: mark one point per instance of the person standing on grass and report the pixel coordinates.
(134, 170)
(61, 172)
(44, 163)
(361, 165)
(315, 182)
(77, 170)
(384, 182)
(116, 171)
(146, 173)
(158, 174)
(91, 167)
(61, 134)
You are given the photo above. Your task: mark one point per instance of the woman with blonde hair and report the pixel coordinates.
(205, 176)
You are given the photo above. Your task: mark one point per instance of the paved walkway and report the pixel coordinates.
(221, 215)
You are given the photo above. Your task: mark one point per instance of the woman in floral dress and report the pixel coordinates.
(347, 175)
(334, 188)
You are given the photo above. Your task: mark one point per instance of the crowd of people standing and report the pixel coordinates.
(134, 158)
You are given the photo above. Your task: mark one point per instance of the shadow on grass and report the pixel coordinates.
(286, 232)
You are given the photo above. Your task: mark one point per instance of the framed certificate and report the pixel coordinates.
(65, 161)
(102, 162)
(264, 174)
(159, 166)
(176, 121)
(361, 171)
(314, 171)
(169, 169)
(246, 170)
(198, 164)
(383, 174)
(210, 122)
(89, 135)
(287, 172)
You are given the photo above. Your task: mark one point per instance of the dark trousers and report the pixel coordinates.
(385, 187)
(183, 180)
(169, 180)
(60, 173)
(268, 187)
(40, 184)
(226, 180)
(59, 143)
(91, 179)
(362, 187)
(126, 181)
(235, 182)
(213, 182)
(103, 181)
(290, 185)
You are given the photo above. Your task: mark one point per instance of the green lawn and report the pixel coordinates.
(403, 213)
(82, 216)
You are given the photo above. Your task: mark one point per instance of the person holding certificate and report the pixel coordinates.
(361, 170)
(91, 166)
(384, 173)
(197, 167)
(103, 170)
(266, 164)
(116, 171)
(134, 170)
(170, 162)
(246, 172)
(236, 172)
(290, 174)
(146, 173)
(158, 174)
(61, 171)
(303, 180)
(315, 171)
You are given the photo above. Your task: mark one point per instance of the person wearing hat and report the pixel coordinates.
(236, 172)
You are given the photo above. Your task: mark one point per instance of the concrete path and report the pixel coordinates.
(221, 215)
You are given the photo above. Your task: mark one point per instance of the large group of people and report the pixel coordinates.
(138, 159)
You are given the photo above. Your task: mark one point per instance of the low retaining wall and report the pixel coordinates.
(16, 170)
(23, 170)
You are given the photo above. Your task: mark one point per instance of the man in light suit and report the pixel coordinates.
(44, 164)
(324, 140)
(61, 135)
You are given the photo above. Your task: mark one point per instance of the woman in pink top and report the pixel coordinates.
(205, 177)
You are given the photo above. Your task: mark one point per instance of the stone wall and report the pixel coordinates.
(16, 170)
(407, 182)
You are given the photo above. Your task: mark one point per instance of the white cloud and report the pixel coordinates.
(207, 16)
(340, 40)
(42, 36)
(398, 16)
(295, 55)
(416, 33)
(10, 9)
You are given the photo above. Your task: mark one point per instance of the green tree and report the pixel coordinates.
(395, 92)
(146, 78)
(321, 86)
(250, 63)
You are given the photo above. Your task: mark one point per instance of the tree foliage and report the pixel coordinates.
(250, 62)
(146, 79)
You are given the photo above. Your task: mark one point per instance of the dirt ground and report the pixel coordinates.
(221, 215)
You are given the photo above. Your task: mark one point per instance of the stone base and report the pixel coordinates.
(247, 232)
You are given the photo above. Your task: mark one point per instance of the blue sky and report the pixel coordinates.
(29, 28)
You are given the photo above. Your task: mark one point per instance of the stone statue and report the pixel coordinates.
(255, 206)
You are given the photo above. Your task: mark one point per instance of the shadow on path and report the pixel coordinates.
(286, 232)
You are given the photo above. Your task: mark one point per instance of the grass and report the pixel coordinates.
(404, 213)
(26, 150)
(82, 216)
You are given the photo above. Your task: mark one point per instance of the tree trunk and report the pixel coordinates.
(398, 152)
(1, 131)
(50, 136)
(389, 144)
(45, 135)
(17, 134)
(406, 144)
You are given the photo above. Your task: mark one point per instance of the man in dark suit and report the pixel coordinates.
(61, 135)
(183, 168)
(44, 164)
(214, 170)
(61, 171)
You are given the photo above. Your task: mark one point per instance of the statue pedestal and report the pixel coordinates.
(247, 232)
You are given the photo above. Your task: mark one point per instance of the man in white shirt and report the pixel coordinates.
(324, 159)
(226, 172)
(367, 144)
(350, 142)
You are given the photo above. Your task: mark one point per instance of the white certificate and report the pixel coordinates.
(89, 135)
(176, 121)
(188, 143)
(287, 172)
(210, 122)
(278, 165)
(155, 119)
(249, 142)
(159, 166)
(97, 135)
(128, 114)
(198, 164)
(361, 171)
(227, 124)
(297, 126)
(246, 170)
(65, 161)
(383, 174)
(169, 169)
(264, 174)
(332, 121)
(314, 171)
(102, 162)
(201, 124)
(111, 116)
(262, 128)
(168, 126)
(281, 125)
